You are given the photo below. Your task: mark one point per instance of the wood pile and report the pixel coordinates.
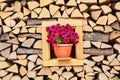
(21, 41)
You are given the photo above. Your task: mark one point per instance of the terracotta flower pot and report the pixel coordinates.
(62, 50)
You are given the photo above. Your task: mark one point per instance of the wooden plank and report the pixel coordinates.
(72, 62)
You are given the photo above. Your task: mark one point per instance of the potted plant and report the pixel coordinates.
(62, 38)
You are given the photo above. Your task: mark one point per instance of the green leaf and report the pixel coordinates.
(59, 40)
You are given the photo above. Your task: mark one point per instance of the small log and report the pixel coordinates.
(102, 76)
(13, 68)
(115, 25)
(54, 77)
(44, 13)
(111, 57)
(117, 6)
(28, 51)
(95, 7)
(21, 62)
(106, 9)
(105, 46)
(17, 6)
(20, 24)
(107, 29)
(65, 15)
(6, 28)
(97, 37)
(98, 28)
(26, 11)
(67, 75)
(4, 45)
(117, 47)
(32, 4)
(89, 62)
(71, 3)
(4, 64)
(113, 71)
(38, 10)
(60, 2)
(45, 3)
(77, 69)
(118, 15)
(97, 69)
(20, 57)
(117, 40)
(16, 31)
(87, 28)
(24, 30)
(2, 58)
(13, 41)
(5, 14)
(45, 71)
(25, 78)
(60, 71)
(88, 69)
(102, 20)
(83, 7)
(94, 51)
(23, 71)
(7, 77)
(69, 10)
(115, 62)
(28, 43)
(114, 35)
(39, 30)
(86, 44)
(5, 53)
(117, 68)
(98, 58)
(32, 58)
(106, 62)
(92, 24)
(57, 14)
(86, 15)
(68, 68)
(76, 13)
(3, 73)
(10, 22)
(111, 19)
(30, 65)
(12, 56)
(31, 30)
(31, 74)
(4, 37)
(105, 68)
(53, 9)
(22, 39)
(96, 44)
(16, 77)
(39, 61)
(39, 78)
(34, 14)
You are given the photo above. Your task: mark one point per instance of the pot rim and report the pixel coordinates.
(62, 44)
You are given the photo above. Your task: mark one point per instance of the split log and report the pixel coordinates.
(118, 15)
(17, 6)
(68, 68)
(87, 28)
(65, 15)
(13, 68)
(95, 7)
(60, 71)
(24, 30)
(8, 77)
(34, 14)
(102, 20)
(71, 3)
(86, 44)
(111, 19)
(10, 22)
(4, 37)
(63, 8)
(5, 14)
(92, 23)
(96, 44)
(54, 68)
(4, 45)
(6, 28)
(38, 10)
(31, 74)
(53, 9)
(22, 71)
(2, 58)
(114, 35)
(16, 77)
(69, 10)
(32, 30)
(44, 13)
(97, 69)
(13, 41)
(32, 58)
(38, 44)
(102, 76)
(39, 30)
(89, 62)
(83, 7)
(20, 57)
(54, 76)
(95, 14)
(0, 31)
(20, 24)
(77, 69)
(98, 58)
(26, 11)
(106, 9)
(60, 2)
(106, 62)
(94, 51)
(118, 40)
(21, 62)
(105, 46)
(57, 14)
(45, 71)
(115, 25)
(67, 75)
(45, 3)
(111, 57)
(117, 68)
(115, 62)
(88, 69)
(98, 37)
(16, 31)
(39, 61)
(22, 39)
(28, 51)
(4, 64)
(113, 71)
(6, 52)
(98, 28)
(89, 2)
(86, 15)
(107, 29)
(117, 6)
(105, 68)
(3, 6)
(76, 13)
(12, 56)
(117, 47)
(39, 78)
(32, 4)
(25, 78)
(3, 73)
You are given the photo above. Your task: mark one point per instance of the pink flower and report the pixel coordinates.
(66, 40)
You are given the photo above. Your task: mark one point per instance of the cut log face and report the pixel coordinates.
(53, 9)
(13, 68)
(76, 13)
(117, 6)
(95, 14)
(106, 9)
(4, 64)
(114, 35)
(102, 76)
(117, 47)
(111, 19)
(102, 20)
(86, 44)
(32, 4)
(44, 13)
(23, 71)
(44, 3)
(67, 75)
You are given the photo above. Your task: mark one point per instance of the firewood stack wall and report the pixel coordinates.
(20, 39)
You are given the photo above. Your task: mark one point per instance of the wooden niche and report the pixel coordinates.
(48, 59)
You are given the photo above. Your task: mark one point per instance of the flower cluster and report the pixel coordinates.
(60, 34)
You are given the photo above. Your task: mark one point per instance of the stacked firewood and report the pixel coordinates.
(21, 41)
